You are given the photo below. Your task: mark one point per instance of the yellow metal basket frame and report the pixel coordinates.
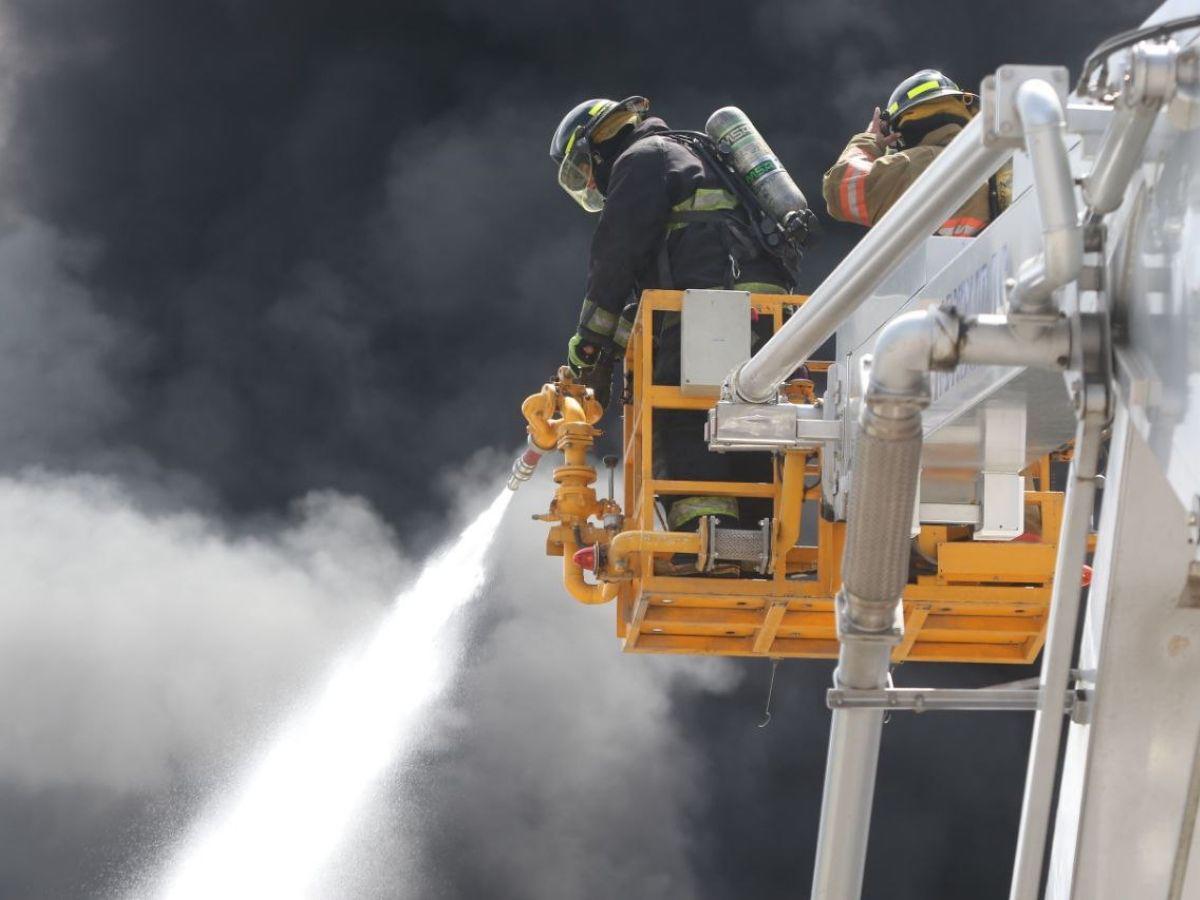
(987, 602)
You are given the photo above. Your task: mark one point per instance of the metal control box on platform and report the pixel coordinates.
(715, 334)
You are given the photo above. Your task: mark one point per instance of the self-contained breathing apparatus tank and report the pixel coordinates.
(739, 143)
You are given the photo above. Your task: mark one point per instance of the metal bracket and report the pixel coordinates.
(848, 631)
(998, 99)
(918, 700)
(1091, 278)
(1151, 78)
(736, 426)
(1089, 379)
(950, 513)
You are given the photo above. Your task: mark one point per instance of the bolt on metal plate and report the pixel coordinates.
(999, 96)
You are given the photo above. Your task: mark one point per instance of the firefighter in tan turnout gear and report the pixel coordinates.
(924, 114)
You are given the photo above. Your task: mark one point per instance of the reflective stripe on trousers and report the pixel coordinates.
(685, 509)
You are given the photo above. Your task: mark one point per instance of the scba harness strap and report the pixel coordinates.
(738, 245)
(743, 221)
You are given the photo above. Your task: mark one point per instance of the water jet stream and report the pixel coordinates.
(297, 803)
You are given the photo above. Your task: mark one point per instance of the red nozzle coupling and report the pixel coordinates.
(523, 468)
(585, 558)
(1086, 579)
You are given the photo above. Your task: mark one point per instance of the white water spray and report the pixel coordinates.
(299, 800)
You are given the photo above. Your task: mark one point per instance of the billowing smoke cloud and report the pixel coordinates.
(145, 656)
(148, 655)
(137, 646)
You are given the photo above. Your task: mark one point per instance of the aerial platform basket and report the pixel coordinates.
(967, 600)
(980, 601)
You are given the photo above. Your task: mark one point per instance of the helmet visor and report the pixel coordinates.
(575, 177)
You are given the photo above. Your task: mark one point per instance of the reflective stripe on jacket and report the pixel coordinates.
(864, 183)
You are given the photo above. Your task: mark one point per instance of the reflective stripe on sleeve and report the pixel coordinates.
(597, 320)
(961, 226)
(853, 187)
(620, 337)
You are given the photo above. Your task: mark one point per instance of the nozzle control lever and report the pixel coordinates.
(610, 463)
(613, 520)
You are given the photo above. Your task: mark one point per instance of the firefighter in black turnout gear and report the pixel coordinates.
(669, 219)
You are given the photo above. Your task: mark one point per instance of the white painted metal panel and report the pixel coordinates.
(1124, 801)
(716, 339)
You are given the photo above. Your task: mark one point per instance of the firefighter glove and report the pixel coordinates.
(599, 378)
(582, 354)
(592, 366)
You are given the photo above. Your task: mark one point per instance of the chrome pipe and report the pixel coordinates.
(1044, 123)
(948, 182)
(990, 340)
(1120, 154)
(1045, 129)
(1056, 661)
(875, 566)
(849, 793)
(907, 348)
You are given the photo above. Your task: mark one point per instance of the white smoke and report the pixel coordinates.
(296, 806)
(138, 648)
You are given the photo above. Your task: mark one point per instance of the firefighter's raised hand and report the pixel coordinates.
(876, 129)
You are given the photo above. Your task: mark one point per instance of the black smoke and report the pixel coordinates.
(253, 250)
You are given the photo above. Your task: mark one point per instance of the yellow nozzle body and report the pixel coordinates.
(563, 416)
